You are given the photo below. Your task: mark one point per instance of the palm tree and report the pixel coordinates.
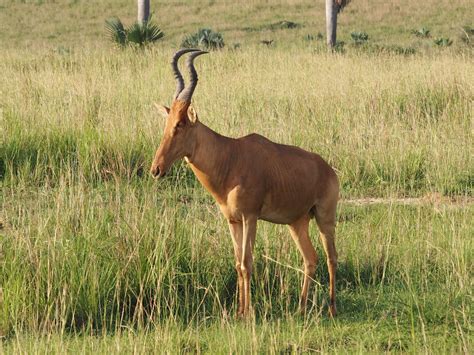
(140, 33)
(333, 7)
(143, 11)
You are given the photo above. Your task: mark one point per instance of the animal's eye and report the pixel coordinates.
(178, 127)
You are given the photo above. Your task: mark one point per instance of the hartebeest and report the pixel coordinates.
(252, 178)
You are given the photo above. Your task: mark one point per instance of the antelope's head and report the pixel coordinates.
(179, 136)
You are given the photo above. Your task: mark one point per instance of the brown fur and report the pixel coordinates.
(252, 178)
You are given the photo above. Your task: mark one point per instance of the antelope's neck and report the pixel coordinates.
(211, 160)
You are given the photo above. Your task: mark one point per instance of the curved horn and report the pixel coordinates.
(177, 74)
(187, 93)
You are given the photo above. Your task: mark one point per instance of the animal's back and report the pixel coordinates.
(293, 180)
(288, 160)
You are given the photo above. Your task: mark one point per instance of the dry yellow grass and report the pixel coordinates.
(388, 124)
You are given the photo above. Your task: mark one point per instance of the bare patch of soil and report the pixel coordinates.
(434, 199)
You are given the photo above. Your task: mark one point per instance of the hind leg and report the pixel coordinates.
(299, 233)
(326, 220)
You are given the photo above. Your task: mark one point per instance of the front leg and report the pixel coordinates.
(236, 231)
(248, 242)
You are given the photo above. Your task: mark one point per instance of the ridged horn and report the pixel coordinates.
(176, 72)
(187, 93)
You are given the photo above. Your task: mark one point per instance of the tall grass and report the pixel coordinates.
(387, 124)
(91, 246)
(103, 260)
(95, 256)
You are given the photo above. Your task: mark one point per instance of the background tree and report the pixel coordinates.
(143, 11)
(333, 7)
(140, 33)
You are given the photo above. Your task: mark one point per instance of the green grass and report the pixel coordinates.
(79, 261)
(79, 22)
(95, 256)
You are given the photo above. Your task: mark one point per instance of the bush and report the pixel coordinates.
(276, 26)
(394, 49)
(467, 34)
(359, 37)
(310, 37)
(422, 32)
(136, 35)
(339, 47)
(443, 42)
(389, 49)
(204, 38)
(284, 25)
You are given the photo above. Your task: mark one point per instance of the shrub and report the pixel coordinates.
(466, 34)
(422, 32)
(117, 32)
(283, 25)
(280, 25)
(235, 46)
(267, 42)
(310, 37)
(339, 47)
(443, 42)
(390, 49)
(399, 50)
(136, 35)
(204, 38)
(359, 37)
(143, 34)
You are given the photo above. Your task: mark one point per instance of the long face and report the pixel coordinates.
(178, 138)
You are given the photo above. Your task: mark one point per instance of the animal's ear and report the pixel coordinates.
(162, 110)
(192, 114)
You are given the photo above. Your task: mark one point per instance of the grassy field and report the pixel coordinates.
(76, 23)
(97, 257)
